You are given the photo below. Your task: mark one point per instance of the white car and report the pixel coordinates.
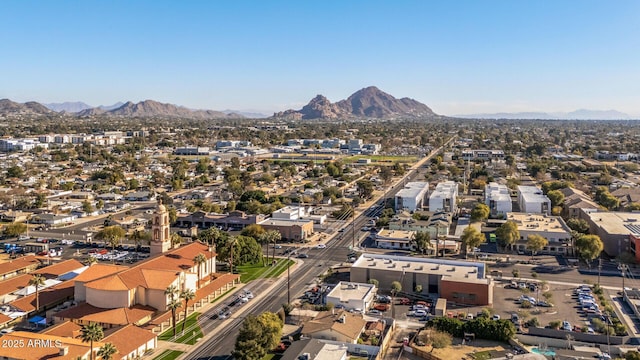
(420, 313)
(495, 317)
(248, 294)
(321, 246)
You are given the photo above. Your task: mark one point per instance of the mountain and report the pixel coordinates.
(151, 108)
(369, 102)
(71, 107)
(10, 108)
(111, 107)
(247, 114)
(581, 114)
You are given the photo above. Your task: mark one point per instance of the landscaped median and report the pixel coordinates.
(168, 355)
(257, 271)
(191, 334)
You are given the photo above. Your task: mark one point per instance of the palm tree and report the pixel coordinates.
(106, 351)
(37, 280)
(186, 295)
(90, 333)
(91, 260)
(172, 291)
(175, 239)
(199, 260)
(173, 306)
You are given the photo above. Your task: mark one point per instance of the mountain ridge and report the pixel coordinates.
(580, 114)
(368, 102)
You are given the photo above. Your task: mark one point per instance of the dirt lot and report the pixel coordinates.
(458, 351)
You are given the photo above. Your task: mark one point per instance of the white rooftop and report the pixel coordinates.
(346, 291)
(413, 189)
(332, 352)
(469, 270)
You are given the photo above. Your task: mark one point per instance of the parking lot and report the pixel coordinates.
(565, 305)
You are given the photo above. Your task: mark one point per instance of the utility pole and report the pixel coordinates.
(289, 278)
(353, 225)
(600, 269)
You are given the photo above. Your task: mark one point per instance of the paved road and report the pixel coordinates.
(220, 347)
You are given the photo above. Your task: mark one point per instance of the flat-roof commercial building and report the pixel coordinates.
(553, 228)
(444, 197)
(412, 196)
(532, 200)
(462, 282)
(498, 198)
(291, 230)
(619, 231)
(482, 155)
(352, 295)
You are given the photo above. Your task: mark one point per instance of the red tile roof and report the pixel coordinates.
(55, 270)
(128, 338)
(97, 271)
(14, 283)
(75, 347)
(18, 264)
(65, 329)
(117, 316)
(48, 297)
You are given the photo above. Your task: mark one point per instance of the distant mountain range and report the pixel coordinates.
(9, 108)
(581, 114)
(143, 109)
(70, 107)
(369, 102)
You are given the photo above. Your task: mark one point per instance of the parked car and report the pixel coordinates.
(374, 312)
(419, 313)
(495, 317)
(381, 307)
(404, 301)
(566, 326)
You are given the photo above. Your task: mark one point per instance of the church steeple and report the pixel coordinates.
(160, 239)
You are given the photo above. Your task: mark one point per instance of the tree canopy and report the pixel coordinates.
(257, 336)
(422, 241)
(536, 243)
(508, 233)
(471, 237)
(589, 247)
(480, 212)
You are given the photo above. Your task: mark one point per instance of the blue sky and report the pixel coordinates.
(458, 57)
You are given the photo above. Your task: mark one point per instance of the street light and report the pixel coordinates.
(289, 278)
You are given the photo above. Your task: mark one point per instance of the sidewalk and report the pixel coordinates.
(169, 345)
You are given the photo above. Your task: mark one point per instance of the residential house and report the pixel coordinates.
(335, 325)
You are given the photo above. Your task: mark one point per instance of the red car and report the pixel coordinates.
(404, 301)
(381, 307)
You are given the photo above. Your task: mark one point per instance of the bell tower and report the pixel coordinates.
(160, 239)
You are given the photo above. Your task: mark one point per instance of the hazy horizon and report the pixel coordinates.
(459, 57)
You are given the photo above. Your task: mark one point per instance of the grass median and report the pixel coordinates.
(192, 331)
(168, 355)
(257, 271)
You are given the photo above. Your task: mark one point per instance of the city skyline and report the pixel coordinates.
(458, 58)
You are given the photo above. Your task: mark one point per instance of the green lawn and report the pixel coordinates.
(257, 271)
(192, 331)
(168, 355)
(482, 355)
